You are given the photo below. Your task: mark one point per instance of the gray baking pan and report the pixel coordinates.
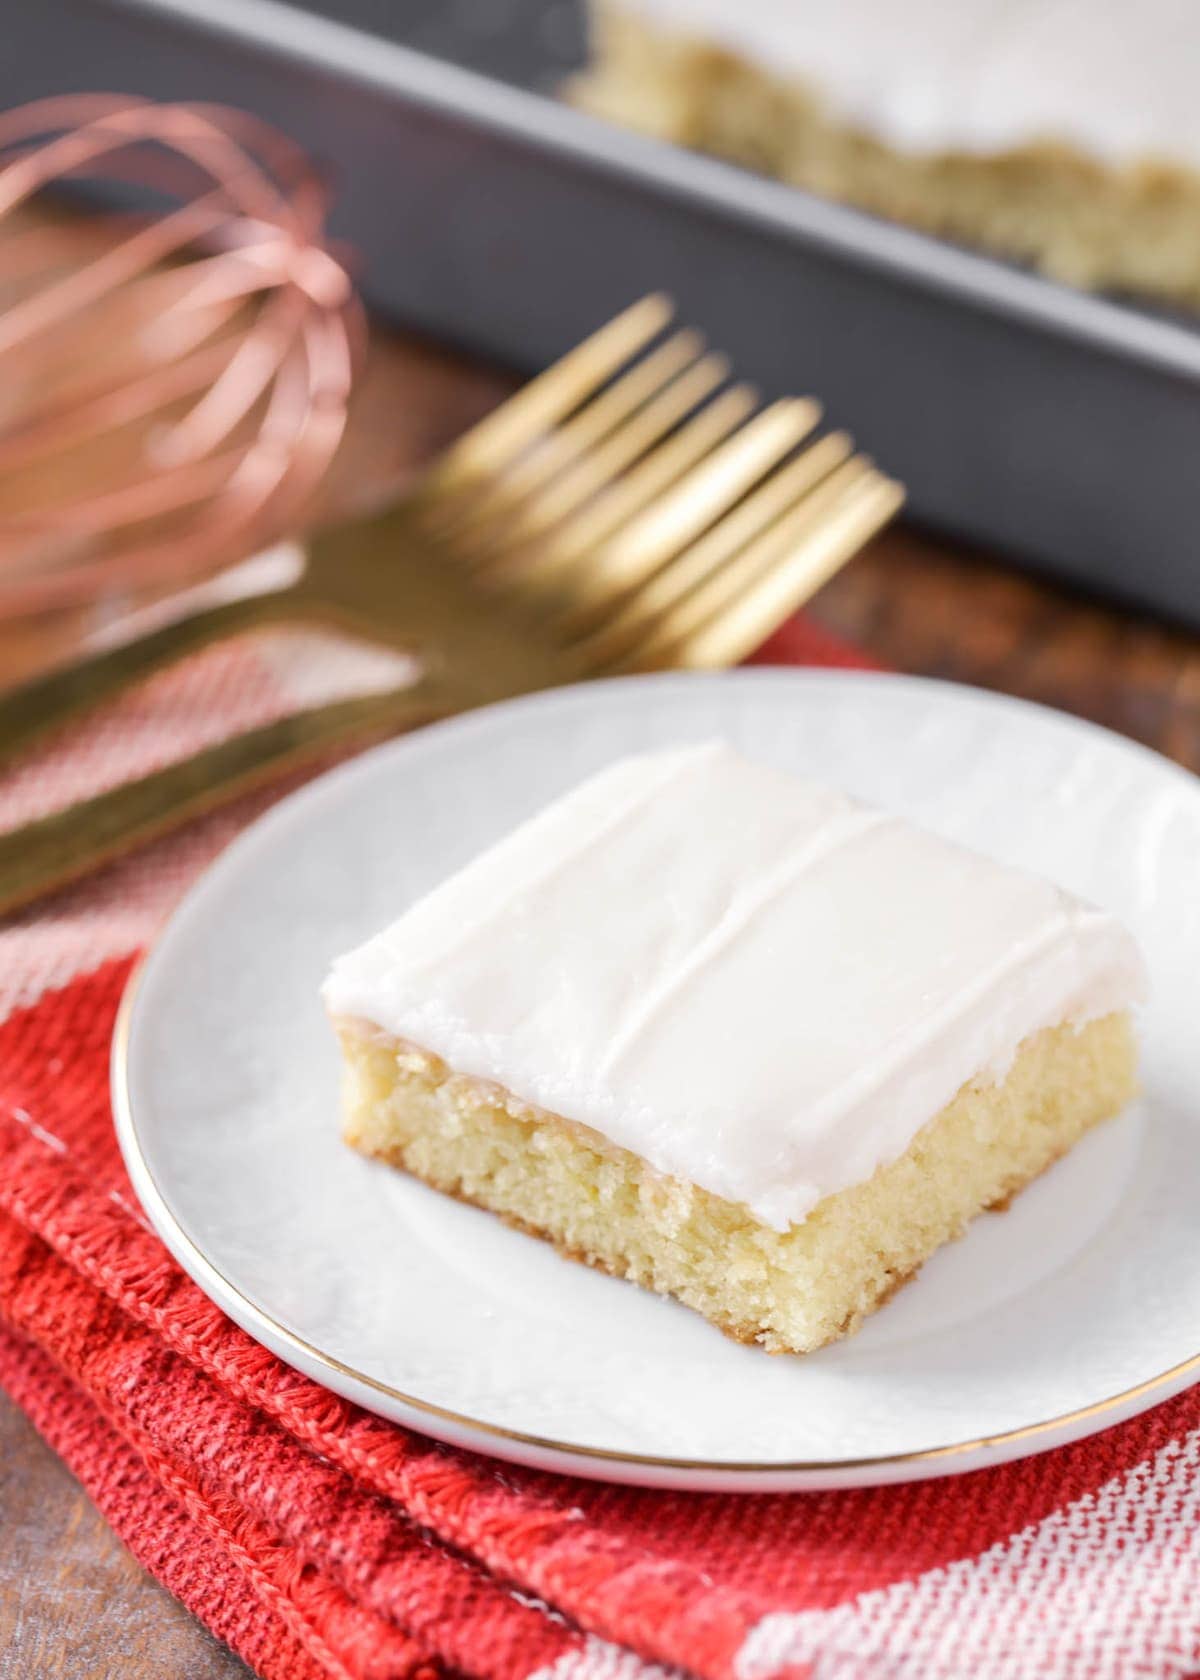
(1057, 427)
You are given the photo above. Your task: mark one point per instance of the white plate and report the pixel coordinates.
(1079, 1306)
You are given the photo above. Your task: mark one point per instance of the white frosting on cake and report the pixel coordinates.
(1109, 77)
(752, 982)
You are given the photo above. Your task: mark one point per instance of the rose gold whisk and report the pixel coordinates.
(173, 382)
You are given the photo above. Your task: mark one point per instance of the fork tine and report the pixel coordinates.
(741, 604)
(727, 582)
(561, 447)
(766, 503)
(504, 434)
(597, 470)
(702, 497)
(607, 512)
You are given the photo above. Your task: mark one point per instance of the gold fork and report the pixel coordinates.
(627, 510)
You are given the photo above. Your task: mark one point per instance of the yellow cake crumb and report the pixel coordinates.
(1132, 228)
(790, 1291)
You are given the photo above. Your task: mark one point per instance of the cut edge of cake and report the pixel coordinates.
(1132, 227)
(792, 1290)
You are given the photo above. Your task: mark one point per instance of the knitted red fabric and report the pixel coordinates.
(320, 1541)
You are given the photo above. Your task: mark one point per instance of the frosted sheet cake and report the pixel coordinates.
(736, 1037)
(1063, 134)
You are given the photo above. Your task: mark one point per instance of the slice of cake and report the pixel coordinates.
(736, 1037)
(1061, 134)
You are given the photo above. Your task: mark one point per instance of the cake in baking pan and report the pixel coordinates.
(736, 1037)
(1065, 133)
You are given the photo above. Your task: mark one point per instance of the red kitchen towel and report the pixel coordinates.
(320, 1541)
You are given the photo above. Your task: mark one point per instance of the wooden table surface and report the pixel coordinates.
(73, 1604)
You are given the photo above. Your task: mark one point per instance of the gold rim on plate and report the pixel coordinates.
(162, 1216)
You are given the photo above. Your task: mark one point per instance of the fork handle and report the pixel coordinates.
(40, 705)
(55, 850)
